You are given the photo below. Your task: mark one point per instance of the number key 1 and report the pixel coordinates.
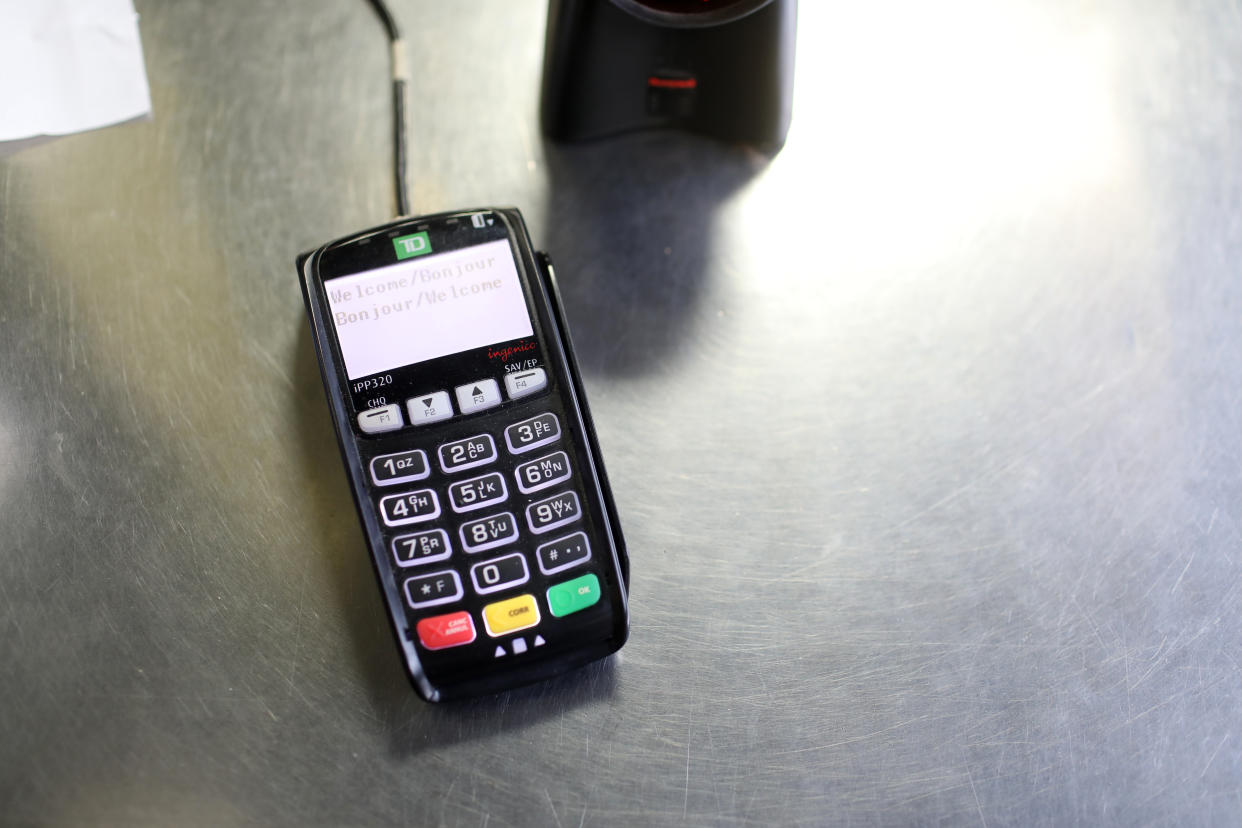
(402, 467)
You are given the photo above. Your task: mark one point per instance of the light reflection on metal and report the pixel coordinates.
(923, 119)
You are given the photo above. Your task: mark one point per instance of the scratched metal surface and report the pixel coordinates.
(925, 434)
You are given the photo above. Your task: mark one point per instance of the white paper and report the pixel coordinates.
(68, 66)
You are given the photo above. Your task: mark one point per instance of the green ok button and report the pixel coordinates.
(574, 595)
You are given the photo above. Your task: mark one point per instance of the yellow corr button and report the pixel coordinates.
(511, 614)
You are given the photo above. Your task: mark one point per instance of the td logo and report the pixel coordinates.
(415, 244)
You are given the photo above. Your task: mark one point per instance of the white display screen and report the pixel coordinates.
(427, 307)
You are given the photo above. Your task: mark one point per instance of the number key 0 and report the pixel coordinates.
(499, 573)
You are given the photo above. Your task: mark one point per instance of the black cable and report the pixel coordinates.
(400, 76)
(398, 153)
(385, 16)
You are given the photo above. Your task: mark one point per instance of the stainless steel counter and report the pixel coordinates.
(925, 434)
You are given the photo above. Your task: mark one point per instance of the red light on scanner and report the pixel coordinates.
(672, 83)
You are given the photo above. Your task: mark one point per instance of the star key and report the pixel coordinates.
(432, 589)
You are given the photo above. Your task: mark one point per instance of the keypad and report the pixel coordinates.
(511, 525)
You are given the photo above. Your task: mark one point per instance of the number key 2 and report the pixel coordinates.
(467, 453)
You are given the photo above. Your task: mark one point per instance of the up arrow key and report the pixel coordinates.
(477, 396)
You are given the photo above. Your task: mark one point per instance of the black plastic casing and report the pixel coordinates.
(572, 641)
(725, 70)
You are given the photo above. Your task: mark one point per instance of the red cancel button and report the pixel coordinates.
(451, 630)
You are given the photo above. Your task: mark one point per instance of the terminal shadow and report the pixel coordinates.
(411, 725)
(421, 726)
(629, 223)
